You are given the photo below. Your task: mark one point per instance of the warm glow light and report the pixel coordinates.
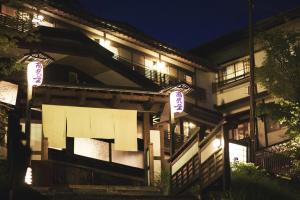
(38, 19)
(176, 101)
(237, 153)
(105, 43)
(217, 143)
(28, 176)
(35, 73)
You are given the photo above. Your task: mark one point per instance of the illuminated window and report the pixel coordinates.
(157, 66)
(240, 132)
(188, 79)
(237, 153)
(188, 127)
(234, 72)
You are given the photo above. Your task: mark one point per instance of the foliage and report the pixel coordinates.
(249, 182)
(280, 74)
(9, 39)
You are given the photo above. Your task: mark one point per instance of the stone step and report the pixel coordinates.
(105, 192)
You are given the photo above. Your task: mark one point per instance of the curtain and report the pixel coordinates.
(54, 125)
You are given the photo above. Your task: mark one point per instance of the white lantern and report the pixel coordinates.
(176, 101)
(35, 73)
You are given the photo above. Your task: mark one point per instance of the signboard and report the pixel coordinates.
(35, 73)
(8, 92)
(177, 101)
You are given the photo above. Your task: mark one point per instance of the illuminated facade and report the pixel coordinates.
(105, 78)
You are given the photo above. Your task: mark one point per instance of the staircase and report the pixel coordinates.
(199, 162)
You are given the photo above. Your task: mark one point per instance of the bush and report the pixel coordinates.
(251, 183)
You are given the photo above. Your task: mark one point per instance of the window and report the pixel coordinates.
(240, 132)
(237, 153)
(188, 127)
(73, 77)
(272, 125)
(188, 79)
(234, 72)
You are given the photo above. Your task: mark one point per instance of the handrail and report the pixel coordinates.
(185, 145)
(214, 132)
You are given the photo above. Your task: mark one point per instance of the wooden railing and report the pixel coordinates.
(159, 78)
(52, 173)
(274, 163)
(186, 175)
(197, 160)
(212, 168)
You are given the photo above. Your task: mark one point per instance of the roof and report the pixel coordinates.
(124, 29)
(78, 44)
(234, 37)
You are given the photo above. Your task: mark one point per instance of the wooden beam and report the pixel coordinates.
(226, 161)
(146, 138)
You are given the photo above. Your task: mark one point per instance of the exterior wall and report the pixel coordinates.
(277, 136)
(205, 80)
(235, 93)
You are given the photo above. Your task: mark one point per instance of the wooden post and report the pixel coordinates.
(181, 131)
(226, 161)
(151, 165)
(45, 148)
(146, 138)
(70, 146)
(200, 137)
(162, 148)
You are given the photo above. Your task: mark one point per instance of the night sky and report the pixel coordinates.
(186, 23)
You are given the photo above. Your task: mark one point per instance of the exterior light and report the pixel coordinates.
(105, 43)
(28, 176)
(38, 19)
(192, 125)
(34, 73)
(177, 102)
(217, 143)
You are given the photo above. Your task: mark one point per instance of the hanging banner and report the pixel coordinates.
(8, 92)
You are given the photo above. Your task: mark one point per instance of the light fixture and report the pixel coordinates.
(34, 73)
(28, 176)
(176, 102)
(217, 143)
(104, 43)
(37, 19)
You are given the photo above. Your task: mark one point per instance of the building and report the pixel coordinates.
(104, 78)
(97, 66)
(231, 86)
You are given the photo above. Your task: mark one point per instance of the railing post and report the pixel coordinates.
(44, 148)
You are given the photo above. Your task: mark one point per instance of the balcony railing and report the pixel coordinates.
(222, 81)
(15, 23)
(159, 78)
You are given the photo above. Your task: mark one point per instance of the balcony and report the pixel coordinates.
(160, 79)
